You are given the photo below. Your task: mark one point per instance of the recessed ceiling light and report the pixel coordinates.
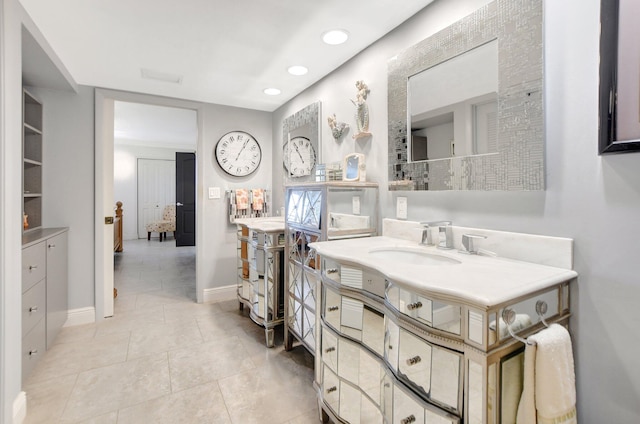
(335, 36)
(272, 91)
(297, 70)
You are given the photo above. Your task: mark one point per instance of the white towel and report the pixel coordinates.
(549, 393)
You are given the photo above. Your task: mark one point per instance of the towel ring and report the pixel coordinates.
(541, 310)
(509, 316)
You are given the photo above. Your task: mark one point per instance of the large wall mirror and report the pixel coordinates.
(301, 144)
(466, 104)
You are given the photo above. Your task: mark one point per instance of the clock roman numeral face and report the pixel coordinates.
(238, 153)
(299, 157)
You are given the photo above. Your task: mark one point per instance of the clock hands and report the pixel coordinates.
(243, 146)
(298, 151)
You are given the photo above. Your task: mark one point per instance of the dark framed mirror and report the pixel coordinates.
(619, 103)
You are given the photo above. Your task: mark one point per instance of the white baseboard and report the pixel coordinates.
(20, 408)
(80, 316)
(219, 294)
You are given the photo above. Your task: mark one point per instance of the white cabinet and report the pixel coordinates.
(44, 292)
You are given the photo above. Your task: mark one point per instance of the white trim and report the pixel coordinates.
(219, 294)
(20, 408)
(80, 316)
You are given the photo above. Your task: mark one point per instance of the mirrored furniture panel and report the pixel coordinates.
(260, 269)
(389, 352)
(466, 104)
(318, 212)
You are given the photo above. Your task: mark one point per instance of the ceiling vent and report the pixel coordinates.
(161, 76)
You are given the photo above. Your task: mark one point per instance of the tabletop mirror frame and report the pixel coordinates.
(309, 115)
(519, 163)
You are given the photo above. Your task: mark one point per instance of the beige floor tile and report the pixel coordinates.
(109, 418)
(273, 393)
(163, 337)
(78, 333)
(189, 310)
(200, 404)
(125, 321)
(46, 400)
(71, 358)
(311, 417)
(103, 390)
(207, 362)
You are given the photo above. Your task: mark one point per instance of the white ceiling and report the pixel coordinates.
(226, 51)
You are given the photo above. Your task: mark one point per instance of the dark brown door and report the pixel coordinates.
(185, 199)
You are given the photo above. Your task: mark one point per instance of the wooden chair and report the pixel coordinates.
(167, 223)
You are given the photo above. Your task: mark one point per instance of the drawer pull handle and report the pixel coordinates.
(390, 347)
(51, 246)
(332, 308)
(410, 419)
(33, 352)
(330, 349)
(32, 267)
(332, 270)
(332, 389)
(414, 360)
(33, 309)
(416, 305)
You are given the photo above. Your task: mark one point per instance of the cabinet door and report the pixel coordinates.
(57, 285)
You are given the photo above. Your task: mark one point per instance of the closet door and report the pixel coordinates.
(156, 189)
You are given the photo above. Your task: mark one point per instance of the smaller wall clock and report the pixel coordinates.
(238, 153)
(299, 157)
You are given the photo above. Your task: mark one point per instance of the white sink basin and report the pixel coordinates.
(412, 256)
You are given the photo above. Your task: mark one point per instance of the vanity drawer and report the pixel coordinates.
(436, 314)
(330, 350)
(407, 409)
(331, 389)
(33, 346)
(34, 261)
(33, 306)
(433, 371)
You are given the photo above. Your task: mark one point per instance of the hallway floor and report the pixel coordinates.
(163, 358)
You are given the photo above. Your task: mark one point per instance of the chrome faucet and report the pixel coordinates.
(468, 243)
(444, 241)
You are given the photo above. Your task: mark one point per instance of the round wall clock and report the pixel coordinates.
(238, 153)
(299, 157)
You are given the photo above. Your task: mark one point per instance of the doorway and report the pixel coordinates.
(105, 101)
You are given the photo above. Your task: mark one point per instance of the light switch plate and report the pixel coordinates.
(401, 208)
(214, 192)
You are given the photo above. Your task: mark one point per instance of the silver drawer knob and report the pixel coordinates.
(332, 308)
(33, 309)
(332, 389)
(416, 305)
(414, 360)
(51, 246)
(410, 419)
(32, 267)
(329, 349)
(33, 352)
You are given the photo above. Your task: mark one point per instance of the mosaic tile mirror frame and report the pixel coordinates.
(518, 163)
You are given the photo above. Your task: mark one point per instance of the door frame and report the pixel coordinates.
(104, 199)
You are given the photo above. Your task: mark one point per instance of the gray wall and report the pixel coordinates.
(594, 200)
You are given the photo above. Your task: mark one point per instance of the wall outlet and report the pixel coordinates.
(355, 205)
(401, 208)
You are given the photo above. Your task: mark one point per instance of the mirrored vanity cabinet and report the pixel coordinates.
(317, 212)
(260, 267)
(395, 348)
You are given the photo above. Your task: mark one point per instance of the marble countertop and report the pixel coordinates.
(484, 281)
(266, 224)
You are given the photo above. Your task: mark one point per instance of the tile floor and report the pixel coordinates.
(163, 358)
